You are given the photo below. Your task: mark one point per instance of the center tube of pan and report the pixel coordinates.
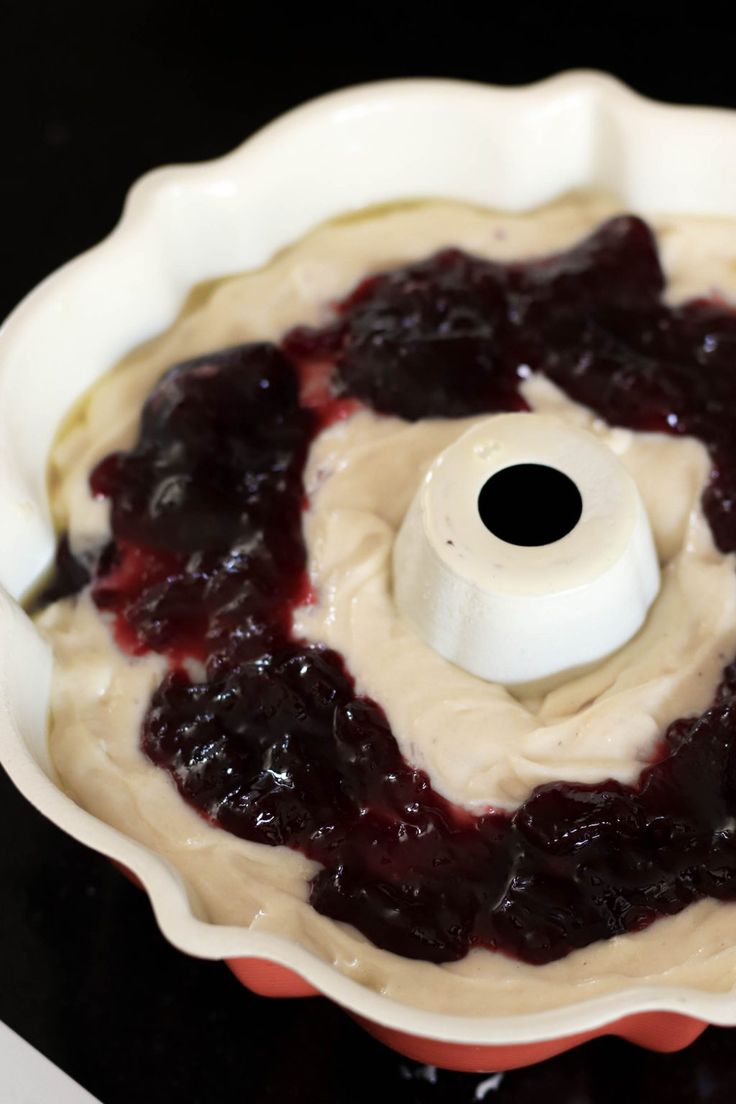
(526, 551)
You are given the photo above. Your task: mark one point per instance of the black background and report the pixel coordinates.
(90, 97)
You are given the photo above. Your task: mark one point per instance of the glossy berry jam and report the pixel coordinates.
(271, 741)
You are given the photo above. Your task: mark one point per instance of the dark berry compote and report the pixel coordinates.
(207, 561)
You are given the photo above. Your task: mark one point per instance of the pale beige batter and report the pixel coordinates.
(593, 727)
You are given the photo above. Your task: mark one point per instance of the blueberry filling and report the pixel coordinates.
(207, 561)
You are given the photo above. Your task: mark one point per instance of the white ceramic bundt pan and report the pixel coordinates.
(506, 148)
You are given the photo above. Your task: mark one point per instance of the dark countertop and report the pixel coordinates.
(93, 96)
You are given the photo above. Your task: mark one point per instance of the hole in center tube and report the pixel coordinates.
(530, 504)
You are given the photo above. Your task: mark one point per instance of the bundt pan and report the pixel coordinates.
(512, 149)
